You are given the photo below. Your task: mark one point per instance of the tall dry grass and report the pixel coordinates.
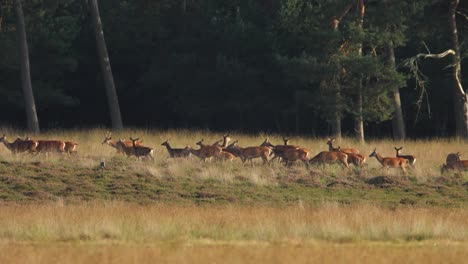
(166, 223)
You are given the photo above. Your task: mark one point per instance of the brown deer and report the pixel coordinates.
(207, 152)
(119, 147)
(277, 150)
(345, 150)
(19, 145)
(411, 159)
(455, 163)
(250, 153)
(225, 156)
(357, 160)
(329, 157)
(390, 162)
(70, 147)
(141, 151)
(176, 152)
(50, 146)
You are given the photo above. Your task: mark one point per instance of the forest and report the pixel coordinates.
(354, 68)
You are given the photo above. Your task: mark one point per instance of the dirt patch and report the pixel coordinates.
(387, 181)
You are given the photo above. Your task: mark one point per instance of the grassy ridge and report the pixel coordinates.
(27, 178)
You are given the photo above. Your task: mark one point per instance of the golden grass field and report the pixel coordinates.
(58, 209)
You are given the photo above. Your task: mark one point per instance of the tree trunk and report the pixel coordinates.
(398, 124)
(459, 95)
(29, 104)
(111, 93)
(359, 119)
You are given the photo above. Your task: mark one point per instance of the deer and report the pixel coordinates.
(390, 162)
(277, 150)
(250, 153)
(70, 147)
(176, 152)
(19, 145)
(411, 159)
(357, 160)
(329, 157)
(120, 149)
(206, 151)
(454, 162)
(50, 146)
(141, 151)
(345, 150)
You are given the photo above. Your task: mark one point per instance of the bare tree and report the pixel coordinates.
(459, 95)
(29, 104)
(112, 99)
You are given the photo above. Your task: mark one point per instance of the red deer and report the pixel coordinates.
(278, 150)
(411, 159)
(225, 156)
(250, 153)
(357, 160)
(120, 149)
(141, 151)
(70, 147)
(455, 163)
(206, 151)
(345, 150)
(390, 162)
(325, 157)
(176, 152)
(50, 146)
(19, 145)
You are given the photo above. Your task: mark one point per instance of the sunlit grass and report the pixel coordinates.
(163, 223)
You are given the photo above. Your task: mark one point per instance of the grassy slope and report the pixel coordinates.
(65, 179)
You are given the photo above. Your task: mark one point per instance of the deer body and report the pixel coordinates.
(455, 163)
(277, 150)
(141, 151)
(19, 145)
(390, 162)
(70, 147)
(121, 147)
(411, 159)
(50, 146)
(330, 157)
(250, 153)
(345, 150)
(206, 151)
(176, 152)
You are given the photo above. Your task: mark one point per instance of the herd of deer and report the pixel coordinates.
(222, 150)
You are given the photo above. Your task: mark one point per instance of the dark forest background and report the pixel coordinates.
(245, 65)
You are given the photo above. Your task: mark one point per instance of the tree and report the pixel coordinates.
(459, 95)
(29, 104)
(112, 99)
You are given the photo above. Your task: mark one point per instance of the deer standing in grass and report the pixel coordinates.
(206, 151)
(277, 150)
(354, 157)
(294, 153)
(141, 151)
(250, 153)
(70, 147)
(345, 150)
(411, 159)
(125, 147)
(176, 152)
(50, 146)
(19, 145)
(454, 162)
(329, 157)
(390, 162)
